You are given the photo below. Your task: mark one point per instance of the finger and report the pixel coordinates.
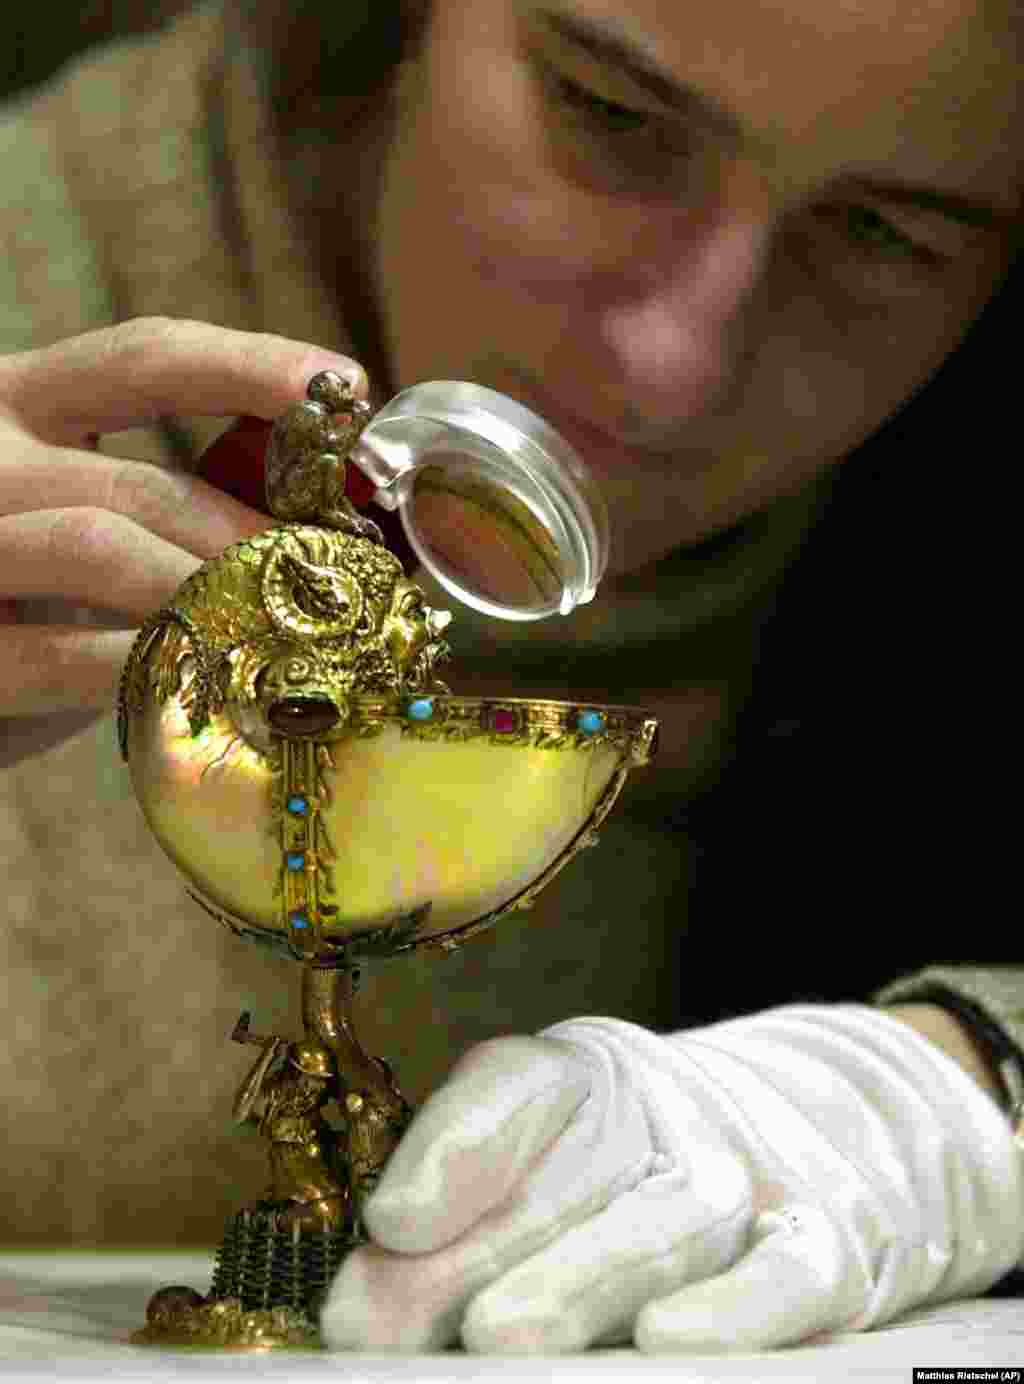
(676, 1226)
(476, 1143)
(91, 558)
(792, 1285)
(385, 1301)
(55, 668)
(22, 737)
(470, 1143)
(133, 373)
(184, 510)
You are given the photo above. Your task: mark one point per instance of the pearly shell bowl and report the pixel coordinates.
(416, 817)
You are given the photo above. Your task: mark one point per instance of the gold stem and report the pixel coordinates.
(327, 993)
(376, 1112)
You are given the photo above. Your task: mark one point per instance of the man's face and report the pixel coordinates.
(707, 265)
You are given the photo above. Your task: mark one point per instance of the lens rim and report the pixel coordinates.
(520, 450)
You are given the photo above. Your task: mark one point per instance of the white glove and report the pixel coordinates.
(739, 1186)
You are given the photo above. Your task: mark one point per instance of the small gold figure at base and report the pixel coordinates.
(308, 1186)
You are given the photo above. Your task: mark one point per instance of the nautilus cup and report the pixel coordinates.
(318, 787)
(323, 792)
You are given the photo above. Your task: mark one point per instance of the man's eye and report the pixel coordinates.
(871, 232)
(650, 153)
(608, 116)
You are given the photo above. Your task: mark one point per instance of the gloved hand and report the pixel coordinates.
(739, 1186)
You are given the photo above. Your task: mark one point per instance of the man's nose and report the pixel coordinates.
(676, 335)
(303, 716)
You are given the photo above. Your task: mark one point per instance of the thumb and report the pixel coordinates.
(505, 1102)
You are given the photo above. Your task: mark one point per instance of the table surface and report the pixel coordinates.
(72, 1313)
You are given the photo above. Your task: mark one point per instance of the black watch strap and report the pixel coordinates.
(997, 1045)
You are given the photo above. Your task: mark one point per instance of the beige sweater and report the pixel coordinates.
(140, 181)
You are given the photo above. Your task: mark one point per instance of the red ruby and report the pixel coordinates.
(504, 721)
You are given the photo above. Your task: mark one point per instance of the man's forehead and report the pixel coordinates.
(908, 28)
(904, 86)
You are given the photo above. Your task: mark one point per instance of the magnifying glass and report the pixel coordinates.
(496, 504)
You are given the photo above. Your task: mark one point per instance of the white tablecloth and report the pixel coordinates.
(71, 1314)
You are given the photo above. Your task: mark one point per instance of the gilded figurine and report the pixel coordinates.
(305, 463)
(309, 1187)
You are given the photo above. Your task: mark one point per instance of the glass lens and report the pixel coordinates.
(494, 502)
(482, 541)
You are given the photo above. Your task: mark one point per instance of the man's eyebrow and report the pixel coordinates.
(615, 50)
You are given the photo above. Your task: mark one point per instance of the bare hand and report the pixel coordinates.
(101, 533)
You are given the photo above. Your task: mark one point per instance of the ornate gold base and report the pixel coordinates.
(268, 1284)
(179, 1316)
(278, 1257)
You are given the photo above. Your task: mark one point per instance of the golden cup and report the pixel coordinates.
(325, 794)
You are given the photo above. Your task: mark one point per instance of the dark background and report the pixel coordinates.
(36, 40)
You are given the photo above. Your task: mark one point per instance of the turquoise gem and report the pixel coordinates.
(296, 860)
(297, 806)
(421, 709)
(299, 920)
(589, 722)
